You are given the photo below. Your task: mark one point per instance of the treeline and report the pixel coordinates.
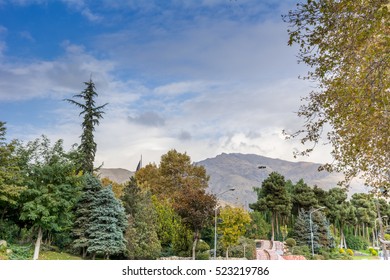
(337, 222)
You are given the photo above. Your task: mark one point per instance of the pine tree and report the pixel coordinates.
(92, 115)
(91, 186)
(273, 197)
(303, 197)
(107, 224)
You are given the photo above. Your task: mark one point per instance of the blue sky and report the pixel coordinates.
(201, 76)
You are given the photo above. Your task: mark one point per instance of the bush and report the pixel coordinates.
(387, 236)
(356, 243)
(341, 251)
(203, 256)
(349, 252)
(290, 242)
(202, 246)
(373, 252)
(301, 250)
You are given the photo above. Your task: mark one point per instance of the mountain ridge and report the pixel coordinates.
(241, 172)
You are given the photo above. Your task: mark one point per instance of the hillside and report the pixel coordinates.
(241, 172)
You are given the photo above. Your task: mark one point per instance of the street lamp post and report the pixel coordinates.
(215, 223)
(311, 228)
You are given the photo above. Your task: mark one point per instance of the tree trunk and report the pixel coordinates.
(227, 253)
(38, 244)
(84, 252)
(196, 237)
(3, 214)
(277, 225)
(273, 227)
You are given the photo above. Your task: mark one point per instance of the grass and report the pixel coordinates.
(50, 255)
(365, 258)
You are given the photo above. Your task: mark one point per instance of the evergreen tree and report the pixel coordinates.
(303, 197)
(322, 236)
(141, 233)
(92, 114)
(107, 223)
(91, 186)
(273, 197)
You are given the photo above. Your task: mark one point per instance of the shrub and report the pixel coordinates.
(290, 242)
(387, 236)
(373, 252)
(349, 252)
(356, 243)
(203, 256)
(301, 250)
(202, 246)
(341, 251)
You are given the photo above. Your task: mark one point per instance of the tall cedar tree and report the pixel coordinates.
(92, 114)
(107, 224)
(273, 197)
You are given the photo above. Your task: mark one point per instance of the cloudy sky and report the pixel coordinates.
(201, 76)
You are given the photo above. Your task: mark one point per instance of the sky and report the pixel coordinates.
(203, 77)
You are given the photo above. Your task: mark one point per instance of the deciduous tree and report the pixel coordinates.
(346, 45)
(233, 226)
(52, 189)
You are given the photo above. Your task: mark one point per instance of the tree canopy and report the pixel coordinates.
(92, 115)
(346, 45)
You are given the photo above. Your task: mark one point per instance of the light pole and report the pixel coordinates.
(384, 247)
(376, 230)
(311, 229)
(215, 222)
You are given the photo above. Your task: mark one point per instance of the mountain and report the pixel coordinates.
(241, 172)
(118, 175)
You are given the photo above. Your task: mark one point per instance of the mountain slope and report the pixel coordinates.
(241, 172)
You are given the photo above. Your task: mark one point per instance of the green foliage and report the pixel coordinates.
(11, 183)
(52, 188)
(20, 252)
(303, 250)
(141, 233)
(92, 115)
(290, 242)
(373, 252)
(321, 233)
(258, 227)
(107, 223)
(245, 248)
(273, 197)
(345, 44)
(303, 197)
(202, 250)
(90, 187)
(355, 242)
(233, 226)
(387, 236)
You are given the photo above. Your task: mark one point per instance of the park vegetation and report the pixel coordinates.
(52, 198)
